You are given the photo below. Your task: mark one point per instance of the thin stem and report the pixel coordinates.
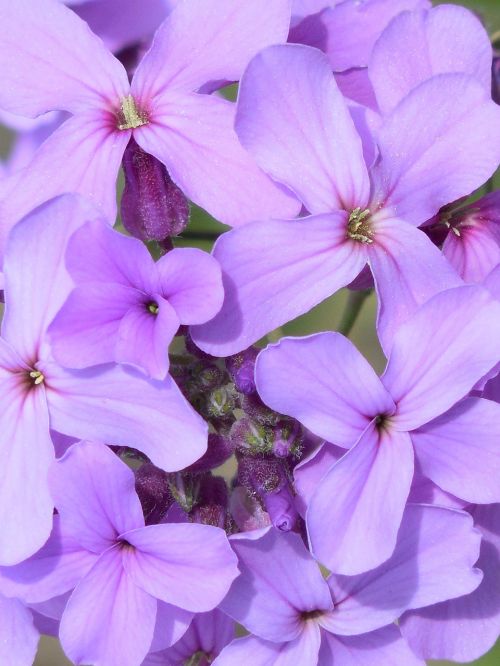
(200, 235)
(352, 309)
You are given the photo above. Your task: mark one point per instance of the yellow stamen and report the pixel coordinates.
(37, 376)
(359, 227)
(130, 117)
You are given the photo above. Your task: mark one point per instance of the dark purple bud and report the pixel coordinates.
(208, 375)
(247, 511)
(184, 488)
(152, 487)
(253, 407)
(261, 475)
(495, 79)
(152, 206)
(241, 369)
(221, 401)
(212, 504)
(193, 349)
(219, 449)
(280, 506)
(248, 436)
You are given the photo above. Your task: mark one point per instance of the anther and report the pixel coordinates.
(359, 227)
(129, 116)
(37, 376)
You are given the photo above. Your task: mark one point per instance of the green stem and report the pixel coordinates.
(201, 235)
(352, 309)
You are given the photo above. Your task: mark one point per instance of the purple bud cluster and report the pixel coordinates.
(182, 483)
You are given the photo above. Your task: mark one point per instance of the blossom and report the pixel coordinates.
(299, 618)
(18, 636)
(125, 575)
(303, 135)
(106, 402)
(50, 60)
(414, 410)
(125, 307)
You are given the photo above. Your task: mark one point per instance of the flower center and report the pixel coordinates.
(36, 377)
(197, 659)
(153, 307)
(129, 116)
(359, 226)
(311, 615)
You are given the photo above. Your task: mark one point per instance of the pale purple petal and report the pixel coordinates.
(82, 156)
(94, 492)
(86, 328)
(316, 381)
(193, 135)
(433, 560)
(191, 282)
(275, 271)
(421, 166)
(295, 122)
(51, 60)
(143, 338)
(370, 485)
(451, 341)
(279, 580)
(118, 406)
(459, 450)
(408, 269)
(97, 253)
(301, 650)
(310, 471)
(18, 636)
(355, 85)
(383, 647)
(417, 45)
(36, 281)
(54, 570)
(462, 629)
(171, 624)
(108, 619)
(209, 40)
(475, 250)
(190, 566)
(26, 452)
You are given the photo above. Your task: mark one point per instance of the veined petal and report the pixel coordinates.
(383, 647)
(209, 40)
(274, 271)
(190, 566)
(121, 406)
(316, 381)
(421, 168)
(370, 484)
(475, 251)
(459, 450)
(52, 571)
(295, 122)
(191, 281)
(171, 625)
(433, 560)
(36, 280)
(417, 45)
(108, 619)
(94, 492)
(279, 581)
(408, 269)
(82, 156)
(26, 452)
(51, 60)
(451, 342)
(193, 135)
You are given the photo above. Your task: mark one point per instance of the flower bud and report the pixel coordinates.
(251, 437)
(152, 487)
(221, 401)
(288, 438)
(280, 506)
(152, 206)
(246, 511)
(219, 449)
(241, 369)
(212, 503)
(253, 407)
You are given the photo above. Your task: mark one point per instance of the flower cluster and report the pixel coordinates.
(175, 491)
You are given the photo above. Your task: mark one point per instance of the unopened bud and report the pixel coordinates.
(288, 438)
(251, 436)
(152, 206)
(241, 369)
(219, 449)
(247, 511)
(152, 487)
(212, 503)
(280, 506)
(221, 401)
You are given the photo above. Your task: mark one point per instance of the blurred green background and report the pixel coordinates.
(326, 316)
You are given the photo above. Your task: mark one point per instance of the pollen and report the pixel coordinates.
(37, 377)
(129, 116)
(153, 307)
(359, 226)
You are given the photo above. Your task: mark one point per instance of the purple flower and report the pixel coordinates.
(18, 636)
(207, 635)
(51, 60)
(297, 616)
(465, 628)
(125, 307)
(127, 577)
(303, 135)
(412, 410)
(107, 402)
